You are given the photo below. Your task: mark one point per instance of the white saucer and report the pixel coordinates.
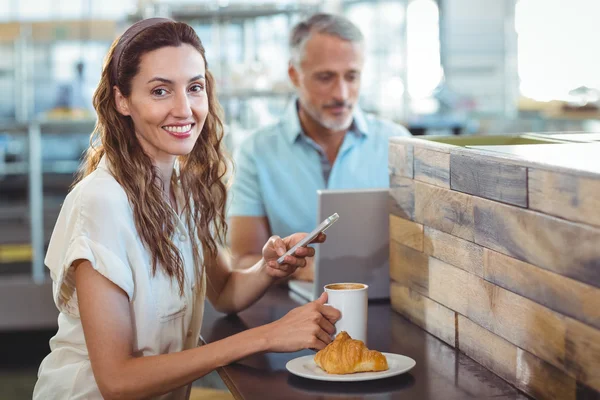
(305, 367)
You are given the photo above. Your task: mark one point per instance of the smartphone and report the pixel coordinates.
(311, 236)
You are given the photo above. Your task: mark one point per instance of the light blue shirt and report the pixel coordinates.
(279, 169)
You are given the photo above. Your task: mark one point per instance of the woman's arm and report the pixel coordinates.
(107, 325)
(223, 288)
(232, 290)
(108, 330)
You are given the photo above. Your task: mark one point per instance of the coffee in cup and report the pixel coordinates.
(345, 286)
(352, 302)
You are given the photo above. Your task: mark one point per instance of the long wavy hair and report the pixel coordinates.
(201, 174)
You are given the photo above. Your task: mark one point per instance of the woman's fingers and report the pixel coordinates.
(299, 253)
(327, 326)
(330, 313)
(321, 237)
(304, 252)
(290, 263)
(278, 245)
(278, 274)
(323, 339)
(285, 267)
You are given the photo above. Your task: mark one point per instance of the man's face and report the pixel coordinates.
(328, 80)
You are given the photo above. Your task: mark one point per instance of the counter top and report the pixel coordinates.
(441, 372)
(575, 156)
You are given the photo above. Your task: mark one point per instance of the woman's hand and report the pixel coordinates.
(307, 327)
(276, 247)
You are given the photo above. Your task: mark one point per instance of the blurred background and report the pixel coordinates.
(453, 67)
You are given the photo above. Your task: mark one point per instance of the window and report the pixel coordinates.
(6, 10)
(402, 65)
(383, 82)
(34, 9)
(111, 8)
(557, 47)
(40, 10)
(424, 69)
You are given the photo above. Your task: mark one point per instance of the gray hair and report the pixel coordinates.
(329, 24)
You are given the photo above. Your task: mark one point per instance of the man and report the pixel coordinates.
(322, 141)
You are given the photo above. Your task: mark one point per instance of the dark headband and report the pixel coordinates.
(127, 37)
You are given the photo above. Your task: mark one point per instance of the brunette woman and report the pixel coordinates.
(138, 244)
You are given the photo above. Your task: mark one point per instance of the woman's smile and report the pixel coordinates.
(180, 131)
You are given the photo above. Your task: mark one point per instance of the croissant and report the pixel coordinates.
(346, 356)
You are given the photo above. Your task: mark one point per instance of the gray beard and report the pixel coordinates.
(329, 124)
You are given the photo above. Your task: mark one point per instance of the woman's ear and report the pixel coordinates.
(121, 102)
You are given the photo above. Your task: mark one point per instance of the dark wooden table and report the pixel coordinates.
(440, 373)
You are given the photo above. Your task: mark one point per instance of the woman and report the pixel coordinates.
(136, 250)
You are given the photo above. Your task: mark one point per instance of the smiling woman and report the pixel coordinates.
(140, 233)
(147, 90)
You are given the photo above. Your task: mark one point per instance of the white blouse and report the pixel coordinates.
(96, 223)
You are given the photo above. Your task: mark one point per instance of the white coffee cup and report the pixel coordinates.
(352, 302)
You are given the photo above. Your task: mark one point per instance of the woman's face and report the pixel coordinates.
(168, 102)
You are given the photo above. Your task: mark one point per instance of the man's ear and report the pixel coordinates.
(121, 102)
(293, 74)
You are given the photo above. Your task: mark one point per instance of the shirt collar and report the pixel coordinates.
(292, 128)
(103, 163)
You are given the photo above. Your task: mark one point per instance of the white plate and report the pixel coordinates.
(305, 367)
